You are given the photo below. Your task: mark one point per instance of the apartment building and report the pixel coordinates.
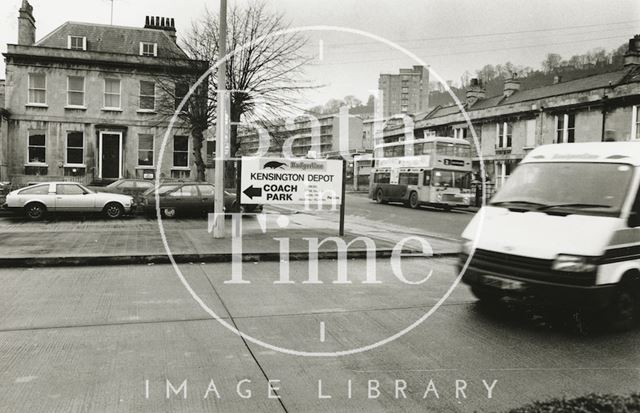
(405, 92)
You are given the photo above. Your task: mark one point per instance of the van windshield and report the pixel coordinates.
(567, 188)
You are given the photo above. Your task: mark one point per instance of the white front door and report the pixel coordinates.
(110, 155)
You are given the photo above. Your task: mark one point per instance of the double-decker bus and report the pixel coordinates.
(433, 171)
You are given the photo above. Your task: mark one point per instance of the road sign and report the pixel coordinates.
(291, 181)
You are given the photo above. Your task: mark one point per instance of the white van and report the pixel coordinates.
(565, 229)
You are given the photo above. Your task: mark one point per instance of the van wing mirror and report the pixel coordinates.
(634, 219)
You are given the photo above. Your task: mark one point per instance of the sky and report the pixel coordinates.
(450, 36)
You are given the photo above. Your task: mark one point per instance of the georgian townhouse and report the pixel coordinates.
(591, 109)
(89, 102)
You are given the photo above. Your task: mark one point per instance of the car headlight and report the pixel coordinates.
(573, 263)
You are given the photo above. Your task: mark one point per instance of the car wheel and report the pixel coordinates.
(168, 212)
(113, 210)
(35, 211)
(380, 197)
(413, 201)
(622, 313)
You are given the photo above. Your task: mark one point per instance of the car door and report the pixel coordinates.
(206, 197)
(185, 198)
(72, 197)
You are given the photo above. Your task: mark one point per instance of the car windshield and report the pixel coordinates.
(567, 187)
(163, 189)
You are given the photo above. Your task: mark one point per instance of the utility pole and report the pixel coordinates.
(112, 12)
(222, 132)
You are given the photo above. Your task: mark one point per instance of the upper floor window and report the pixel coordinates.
(148, 49)
(147, 95)
(565, 128)
(77, 43)
(112, 93)
(635, 122)
(504, 131)
(37, 88)
(75, 91)
(181, 91)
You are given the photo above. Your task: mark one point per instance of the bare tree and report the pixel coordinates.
(264, 77)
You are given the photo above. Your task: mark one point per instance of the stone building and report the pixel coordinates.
(405, 92)
(594, 108)
(91, 102)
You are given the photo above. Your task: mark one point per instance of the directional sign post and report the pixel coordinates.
(280, 181)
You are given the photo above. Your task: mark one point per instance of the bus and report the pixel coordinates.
(434, 171)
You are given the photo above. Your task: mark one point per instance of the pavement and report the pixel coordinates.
(110, 338)
(67, 240)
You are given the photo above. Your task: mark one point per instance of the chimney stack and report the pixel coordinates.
(557, 79)
(632, 56)
(475, 92)
(511, 85)
(26, 25)
(168, 24)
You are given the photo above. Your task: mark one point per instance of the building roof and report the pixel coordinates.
(617, 152)
(113, 39)
(604, 80)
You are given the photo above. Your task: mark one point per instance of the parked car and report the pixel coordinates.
(187, 197)
(132, 187)
(37, 200)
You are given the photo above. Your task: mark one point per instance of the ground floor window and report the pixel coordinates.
(145, 150)
(181, 151)
(75, 148)
(36, 147)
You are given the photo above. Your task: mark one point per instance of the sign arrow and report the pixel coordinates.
(251, 192)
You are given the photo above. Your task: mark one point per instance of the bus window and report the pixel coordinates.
(443, 178)
(406, 178)
(417, 148)
(463, 180)
(398, 151)
(427, 178)
(463, 151)
(427, 148)
(382, 177)
(388, 152)
(445, 149)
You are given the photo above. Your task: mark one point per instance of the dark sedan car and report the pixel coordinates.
(187, 198)
(131, 187)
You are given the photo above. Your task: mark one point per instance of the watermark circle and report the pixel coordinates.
(231, 327)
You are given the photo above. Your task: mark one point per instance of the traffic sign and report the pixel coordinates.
(291, 181)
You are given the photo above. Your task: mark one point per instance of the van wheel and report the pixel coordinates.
(35, 211)
(413, 200)
(168, 212)
(380, 197)
(485, 297)
(113, 210)
(622, 313)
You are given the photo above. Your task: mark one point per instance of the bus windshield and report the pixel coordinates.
(570, 187)
(451, 179)
(453, 149)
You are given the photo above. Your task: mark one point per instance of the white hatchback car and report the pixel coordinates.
(38, 199)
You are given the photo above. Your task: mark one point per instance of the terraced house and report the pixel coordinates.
(590, 109)
(89, 102)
